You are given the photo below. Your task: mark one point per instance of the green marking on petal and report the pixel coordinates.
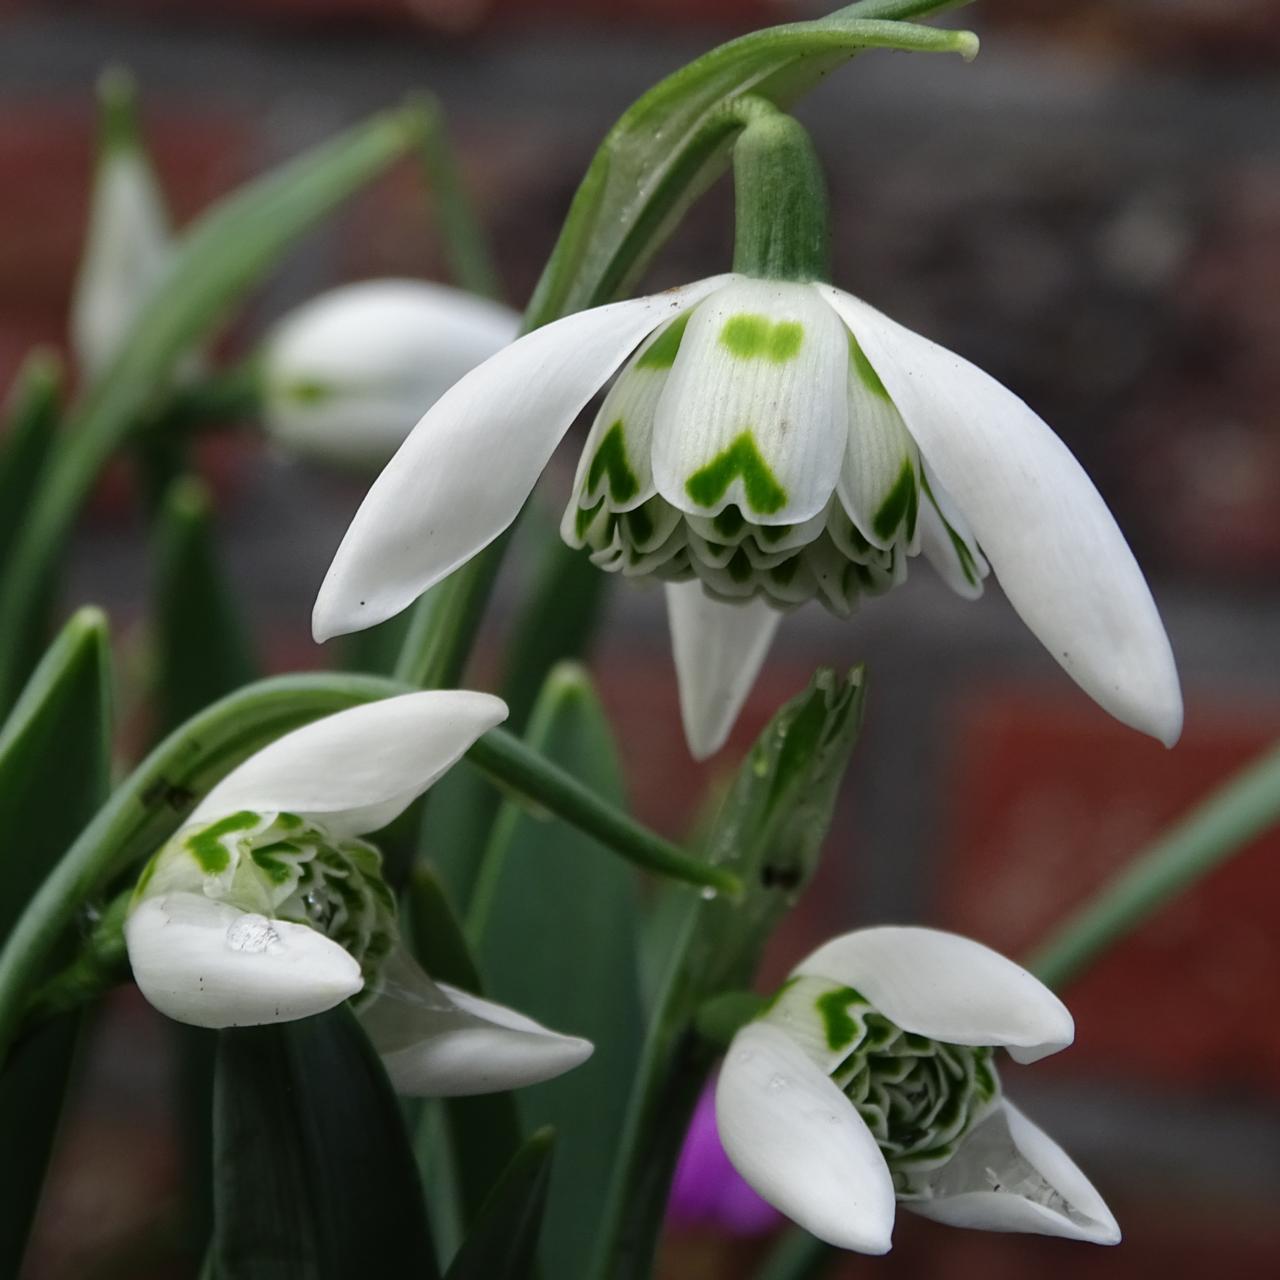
(611, 460)
(783, 573)
(207, 845)
(756, 337)
(662, 354)
(742, 458)
(639, 525)
(900, 505)
(729, 521)
(583, 517)
(740, 567)
(833, 1008)
(866, 374)
(773, 532)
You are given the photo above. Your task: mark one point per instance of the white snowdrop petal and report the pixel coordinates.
(209, 964)
(719, 648)
(348, 373)
(358, 769)
(880, 474)
(465, 470)
(1052, 543)
(801, 1144)
(1009, 1175)
(438, 1041)
(753, 413)
(948, 988)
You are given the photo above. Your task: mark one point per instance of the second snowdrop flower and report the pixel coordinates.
(269, 906)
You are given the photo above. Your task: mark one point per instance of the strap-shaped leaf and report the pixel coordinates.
(671, 144)
(54, 765)
(556, 923)
(503, 1243)
(224, 253)
(31, 416)
(313, 1175)
(54, 759)
(202, 649)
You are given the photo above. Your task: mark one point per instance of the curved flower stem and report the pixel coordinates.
(1221, 826)
(506, 760)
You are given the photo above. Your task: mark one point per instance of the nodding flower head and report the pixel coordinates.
(871, 1078)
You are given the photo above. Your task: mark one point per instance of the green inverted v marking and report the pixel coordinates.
(742, 458)
(611, 459)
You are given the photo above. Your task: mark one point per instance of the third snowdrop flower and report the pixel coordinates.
(872, 1078)
(269, 906)
(769, 441)
(347, 374)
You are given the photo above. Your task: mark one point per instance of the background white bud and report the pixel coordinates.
(127, 241)
(347, 375)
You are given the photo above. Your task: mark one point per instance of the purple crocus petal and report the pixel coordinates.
(707, 1190)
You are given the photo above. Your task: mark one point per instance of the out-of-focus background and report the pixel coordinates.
(1092, 212)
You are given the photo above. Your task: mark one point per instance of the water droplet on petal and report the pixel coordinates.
(255, 934)
(778, 1082)
(708, 894)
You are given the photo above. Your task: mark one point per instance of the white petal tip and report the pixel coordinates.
(208, 964)
(481, 1059)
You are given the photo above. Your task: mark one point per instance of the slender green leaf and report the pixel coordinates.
(504, 1240)
(33, 1089)
(224, 253)
(31, 417)
(556, 923)
(465, 244)
(202, 649)
(669, 146)
(483, 1132)
(313, 1174)
(1220, 826)
(54, 759)
(770, 832)
(54, 770)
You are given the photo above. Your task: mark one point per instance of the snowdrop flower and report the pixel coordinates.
(871, 1078)
(347, 374)
(127, 243)
(268, 906)
(769, 441)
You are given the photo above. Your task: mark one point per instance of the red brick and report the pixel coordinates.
(1049, 798)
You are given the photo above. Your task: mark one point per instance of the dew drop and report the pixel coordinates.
(778, 1082)
(708, 894)
(254, 934)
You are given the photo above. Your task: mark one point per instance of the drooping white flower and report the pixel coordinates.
(268, 906)
(871, 1079)
(347, 374)
(127, 241)
(766, 443)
